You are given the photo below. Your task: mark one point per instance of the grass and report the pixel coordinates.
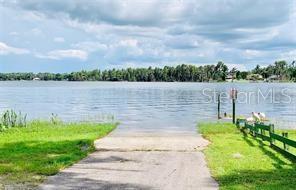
(239, 161)
(41, 149)
(292, 133)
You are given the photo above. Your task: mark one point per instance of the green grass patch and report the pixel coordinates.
(29, 154)
(292, 133)
(239, 161)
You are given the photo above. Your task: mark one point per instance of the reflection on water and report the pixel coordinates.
(147, 106)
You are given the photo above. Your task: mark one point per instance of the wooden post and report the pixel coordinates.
(219, 117)
(255, 130)
(271, 130)
(233, 95)
(285, 134)
(233, 111)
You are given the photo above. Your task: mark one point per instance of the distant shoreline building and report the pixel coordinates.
(230, 78)
(254, 77)
(273, 78)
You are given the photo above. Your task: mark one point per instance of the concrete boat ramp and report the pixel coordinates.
(136, 160)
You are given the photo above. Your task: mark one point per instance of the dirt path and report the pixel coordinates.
(139, 161)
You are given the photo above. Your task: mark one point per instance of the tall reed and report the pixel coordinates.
(10, 119)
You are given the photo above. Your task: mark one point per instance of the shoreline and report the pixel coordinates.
(211, 82)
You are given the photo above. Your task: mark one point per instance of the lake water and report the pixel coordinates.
(148, 106)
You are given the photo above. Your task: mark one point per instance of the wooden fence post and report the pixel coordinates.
(233, 111)
(271, 130)
(219, 117)
(258, 131)
(233, 95)
(285, 134)
(255, 130)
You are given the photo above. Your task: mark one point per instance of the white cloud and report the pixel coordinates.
(36, 31)
(128, 42)
(90, 46)
(249, 54)
(59, 39)
(64, 54)
(240, 67)
(6, 49)
(158, 31)
(231, 13)
(13, 33)
(290, 55)
(33, 16)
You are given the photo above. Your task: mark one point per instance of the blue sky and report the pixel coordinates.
(66, 35)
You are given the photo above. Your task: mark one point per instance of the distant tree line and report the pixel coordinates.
(281, 69)
(180, 73)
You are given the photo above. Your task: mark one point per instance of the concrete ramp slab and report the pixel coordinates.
(139, 161)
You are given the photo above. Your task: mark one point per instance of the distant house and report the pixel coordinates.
(255, 77)
(230, 78)
(36, 78)
(273, 78)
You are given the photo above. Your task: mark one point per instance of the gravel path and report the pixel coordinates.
(139, 161)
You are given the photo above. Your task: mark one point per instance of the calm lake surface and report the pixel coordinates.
(148, 106)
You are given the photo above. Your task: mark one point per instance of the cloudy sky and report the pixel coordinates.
(70, 35)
